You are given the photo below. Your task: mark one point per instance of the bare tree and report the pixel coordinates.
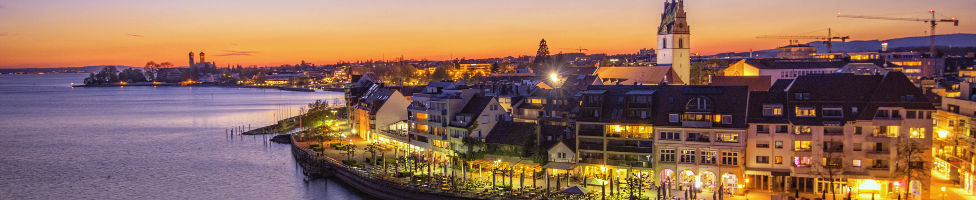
(910, 161)
(831, 165)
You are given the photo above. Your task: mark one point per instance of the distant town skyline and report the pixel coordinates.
(62, 33)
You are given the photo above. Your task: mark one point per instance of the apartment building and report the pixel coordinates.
(954, 139)
(689, 136)
(840, 134)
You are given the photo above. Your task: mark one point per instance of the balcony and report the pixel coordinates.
(629, 163)
(591, 146)
(592, 160)
(591, 132)
(631, 149)
(883, 151)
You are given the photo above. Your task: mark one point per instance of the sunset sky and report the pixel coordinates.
(62, 33)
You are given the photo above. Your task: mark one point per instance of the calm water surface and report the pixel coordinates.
(60, 142)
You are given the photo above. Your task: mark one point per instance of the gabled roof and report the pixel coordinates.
(374, 98)
(639, 74)
(511, 133)
(476, 105)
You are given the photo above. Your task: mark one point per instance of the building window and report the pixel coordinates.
(762, 129)
(779, 144)
(762, 145)
(778, 160)
(535, 101)
(917, 133)
(728, 137)
(835, 112)
(911, 114)
(858, 130)
(802, 96)
(698, 137)
(673, 136)
(801, 145)
(726, 119)
(857, 146)
(667, 155)
(772, 110)
(699, 104)
(762, 159)
(687, 156)
(782, 129)
(708, 157)
(886, 131)
(802, 130)
(730, 158)
(802, 161)
(673, 118)
(805, 111)
(857, 163)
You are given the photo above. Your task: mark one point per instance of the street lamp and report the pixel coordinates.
(554, 77)
(943, 192)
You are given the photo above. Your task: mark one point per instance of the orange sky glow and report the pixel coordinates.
(64, 33)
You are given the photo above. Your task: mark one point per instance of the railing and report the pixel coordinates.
(629, 163)
(587, 146)
(632, 149)
(874, 151)
(591, 132)
(592, 160)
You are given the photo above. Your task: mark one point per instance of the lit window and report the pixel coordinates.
(857, 163)
(801, 145)
(802, 161)
(917, 132)
(673, 118)
(773, 110)
(778, 160)
(728, 137)
(805, 112)
(535, 101)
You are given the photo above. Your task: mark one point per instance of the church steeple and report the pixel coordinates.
(674, 40)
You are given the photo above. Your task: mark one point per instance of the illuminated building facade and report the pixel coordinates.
(687, 136)
(955, 141)
(840, 134)
(445, 113)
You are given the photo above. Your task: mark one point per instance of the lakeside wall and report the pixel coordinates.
(316, 165)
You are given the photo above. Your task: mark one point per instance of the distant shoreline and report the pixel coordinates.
(209, 85)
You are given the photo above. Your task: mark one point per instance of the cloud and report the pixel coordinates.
(237, 53)
(134, 35)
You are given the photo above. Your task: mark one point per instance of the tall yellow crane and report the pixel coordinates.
(827, 40)
(933, 21)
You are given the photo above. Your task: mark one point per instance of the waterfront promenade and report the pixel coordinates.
(478, 185)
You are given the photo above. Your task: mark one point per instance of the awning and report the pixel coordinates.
(559, 165)
(576, 190)
(768, 172)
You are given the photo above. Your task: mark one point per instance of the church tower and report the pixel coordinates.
(191, 60)
(202, 59)
(673, 37)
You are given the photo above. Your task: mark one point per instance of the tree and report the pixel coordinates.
(911, 162)
(830, 166)
(440, 73)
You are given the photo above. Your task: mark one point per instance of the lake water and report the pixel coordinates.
(60, 142)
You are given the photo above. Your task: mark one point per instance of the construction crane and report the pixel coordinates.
(932, 22)
(827, 40)
(580, 49)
